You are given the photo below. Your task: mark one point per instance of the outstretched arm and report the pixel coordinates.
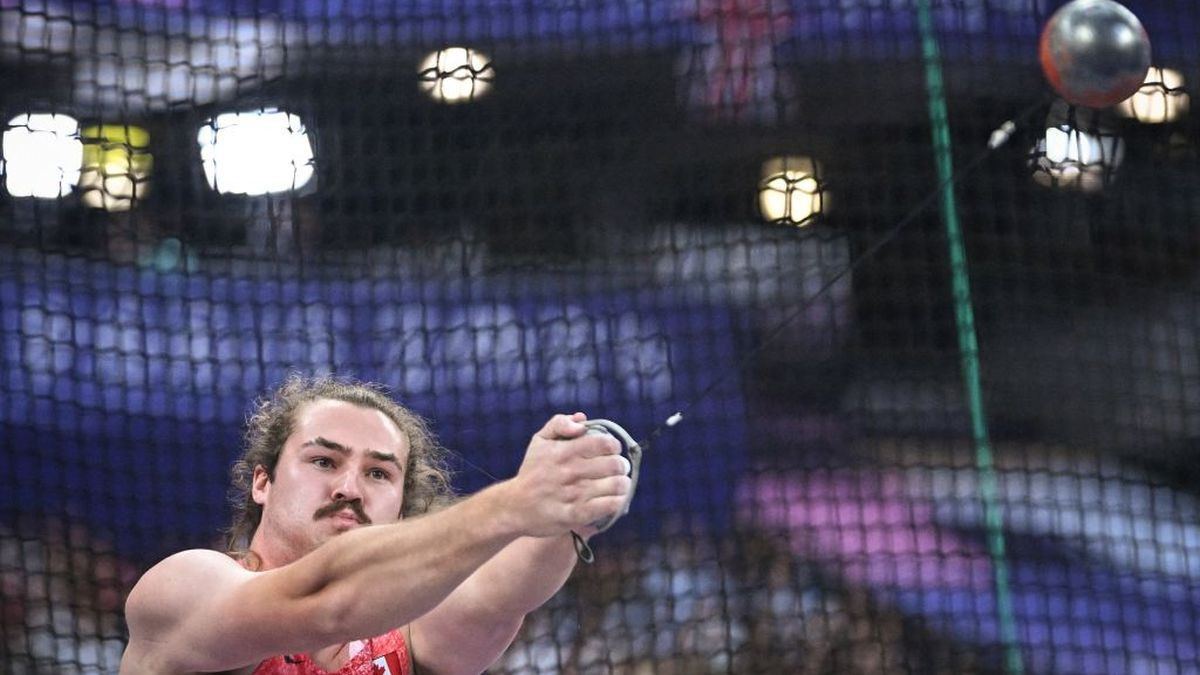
(474, 625)
(478, 621)
(199, 611)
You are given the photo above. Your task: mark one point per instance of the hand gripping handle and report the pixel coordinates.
(634, 453)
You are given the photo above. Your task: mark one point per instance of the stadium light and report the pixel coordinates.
(1161, 98)
(1067, 157)
(256, 153)
(40, 155)
(116, 166)
(456, 75)
(790, 190)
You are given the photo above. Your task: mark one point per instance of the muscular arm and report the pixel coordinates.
(474, 625)
(199, 612)
(478, 621)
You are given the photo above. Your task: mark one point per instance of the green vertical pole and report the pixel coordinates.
(967, 342)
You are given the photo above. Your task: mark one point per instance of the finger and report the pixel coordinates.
(563, 426)
(589, 446)
(600, 445)
(612, 486)
(602, 467)
(626, 465)
(601, 508)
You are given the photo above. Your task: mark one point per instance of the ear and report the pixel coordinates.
(260, 485)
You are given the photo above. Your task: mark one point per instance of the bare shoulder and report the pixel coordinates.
(166, 599)
(198, 560)
(178, 577)
(200, 611)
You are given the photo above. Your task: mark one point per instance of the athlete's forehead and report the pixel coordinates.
(342, 425)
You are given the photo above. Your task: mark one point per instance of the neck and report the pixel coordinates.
(263, 555)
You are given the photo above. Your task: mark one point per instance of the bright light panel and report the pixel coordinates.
(1161, 98)
(456, 75)
(256, 153)
(790, 191)
(1070, 158)
(41, 155)
(116, 166)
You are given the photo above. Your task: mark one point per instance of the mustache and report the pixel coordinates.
(355, 505)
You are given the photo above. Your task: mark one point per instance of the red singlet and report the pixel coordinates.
(383, 655)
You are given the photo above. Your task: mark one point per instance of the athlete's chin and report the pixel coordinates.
(331, 530)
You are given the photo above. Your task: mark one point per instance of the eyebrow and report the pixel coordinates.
(345, 450)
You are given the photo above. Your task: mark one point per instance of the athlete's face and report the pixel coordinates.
(342, 468)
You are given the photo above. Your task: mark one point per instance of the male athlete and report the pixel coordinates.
(343, 562)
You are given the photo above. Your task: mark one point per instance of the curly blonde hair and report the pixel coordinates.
(426, 477)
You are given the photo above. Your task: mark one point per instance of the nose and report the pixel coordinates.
(346, 487)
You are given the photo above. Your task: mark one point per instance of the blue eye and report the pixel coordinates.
(378, 474)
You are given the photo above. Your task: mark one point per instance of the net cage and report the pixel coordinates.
(938, 375)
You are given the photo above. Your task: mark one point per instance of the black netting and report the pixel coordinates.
(725, 208)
